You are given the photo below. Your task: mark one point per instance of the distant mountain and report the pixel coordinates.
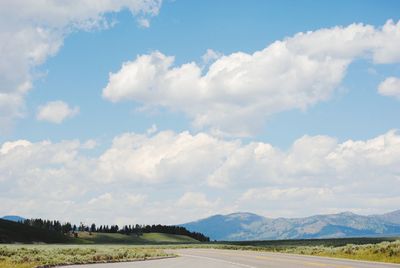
(13, 218)
(392, 217)
(248, 226)
(220, 227)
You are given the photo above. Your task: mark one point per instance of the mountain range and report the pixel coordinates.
(249, 226)
(13, 218)
(242, 226)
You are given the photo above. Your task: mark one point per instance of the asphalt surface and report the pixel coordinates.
(212, 258)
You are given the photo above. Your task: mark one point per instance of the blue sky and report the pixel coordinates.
(79, 71)
(346, 110)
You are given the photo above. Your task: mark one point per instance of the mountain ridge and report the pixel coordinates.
(14, 218)
(250, 226)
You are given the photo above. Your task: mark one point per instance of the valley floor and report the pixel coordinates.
(217, 258)
(29, 256)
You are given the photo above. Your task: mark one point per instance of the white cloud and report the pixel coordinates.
(152, 129)
(110, 200)
(317, 174)
(278, 194)
(56, 112)
(211, 56)
(194, 200)
(145, 23)
(163, 157)
(12, 145)
(239, 91)
(102, 200)
(390, 87)
(32, 31)
(135, 199)
(89, 144)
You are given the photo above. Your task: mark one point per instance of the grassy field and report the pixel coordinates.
(167, 238)
(328, 242)
(13, 232)
(376, 250)
(382, 252)
(146, 238)
(29, 256)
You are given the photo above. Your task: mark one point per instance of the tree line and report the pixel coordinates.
(135, 229)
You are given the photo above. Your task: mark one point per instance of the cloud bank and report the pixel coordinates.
(143, 176)
(238, 92)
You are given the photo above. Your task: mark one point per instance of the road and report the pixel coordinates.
(212, 258)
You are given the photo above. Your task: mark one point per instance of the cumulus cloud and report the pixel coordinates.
(32, 31)
(317, 174)
(11, 145)
(110, 200)
(90, 144)
(102, 200)
(161, 158)
(145, 23)
(210, 56)
(152, 129)
(56, 112)
(239, 91)
(390, 87)
(194, 200)
(290, 202)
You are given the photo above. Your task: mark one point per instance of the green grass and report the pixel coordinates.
(106, 238)
(29, 256)
(387, 251)
(168, 238)
(146, 238)
(381, 252)
(329, 242)
(13, 232)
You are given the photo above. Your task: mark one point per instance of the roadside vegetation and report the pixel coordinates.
(326, 242)
(30, 256)
(387, 251)
(382, 252)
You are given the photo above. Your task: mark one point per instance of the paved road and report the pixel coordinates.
(212, 258)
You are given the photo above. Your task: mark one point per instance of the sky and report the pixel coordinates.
(150, 111)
